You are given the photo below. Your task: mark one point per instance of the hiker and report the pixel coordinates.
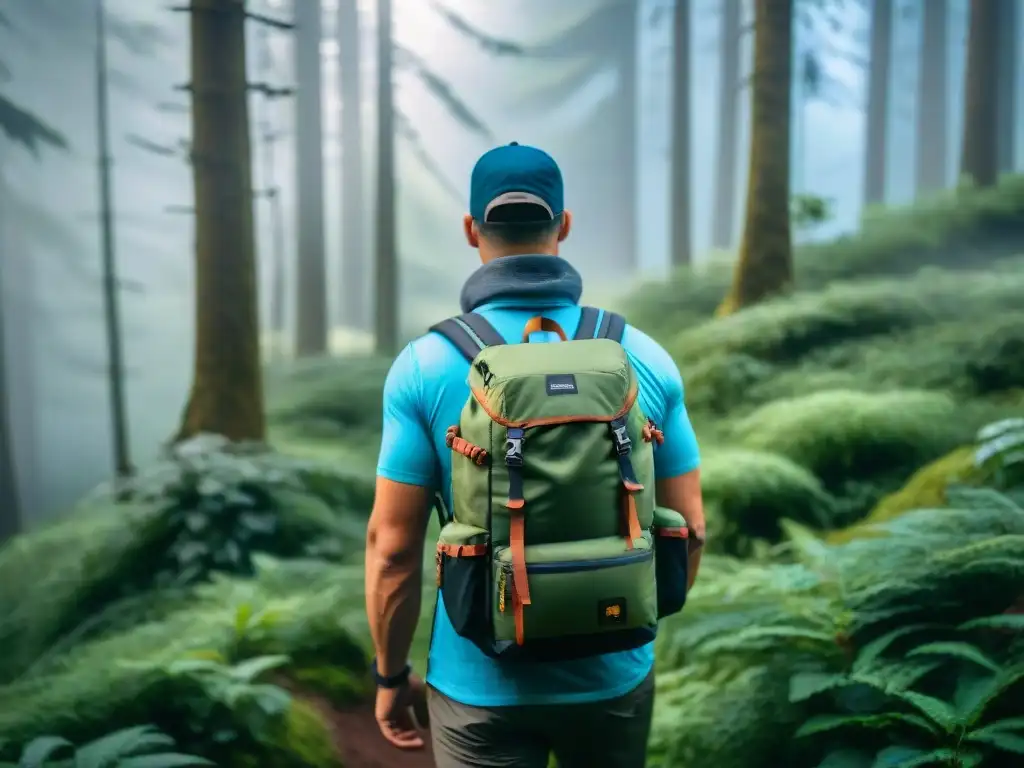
(555, 445)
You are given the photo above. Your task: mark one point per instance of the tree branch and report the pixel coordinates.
(271, 91)
(267, 21)
(268, 90)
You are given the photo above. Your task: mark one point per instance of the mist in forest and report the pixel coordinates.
(588, 80)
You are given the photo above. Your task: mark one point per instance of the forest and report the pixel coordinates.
(855, 380)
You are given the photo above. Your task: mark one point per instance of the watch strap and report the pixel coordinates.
(391, 681)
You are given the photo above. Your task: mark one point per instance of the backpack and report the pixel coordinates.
(554, 548)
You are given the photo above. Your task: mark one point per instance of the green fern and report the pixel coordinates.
(924, 729)
(139, 747)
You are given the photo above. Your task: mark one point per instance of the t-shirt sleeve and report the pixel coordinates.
(406, 448)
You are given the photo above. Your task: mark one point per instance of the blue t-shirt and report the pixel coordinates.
(424, 395)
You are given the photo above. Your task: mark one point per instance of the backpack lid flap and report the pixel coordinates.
(534, 384)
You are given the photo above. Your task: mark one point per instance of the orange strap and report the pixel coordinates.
(674, 533)
(517, 613)
(463, 446)
(539, 323)
(455, 550)
(462, 550)
(631, 518)
(517, 543)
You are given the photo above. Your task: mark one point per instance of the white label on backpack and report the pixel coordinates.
(561, 384)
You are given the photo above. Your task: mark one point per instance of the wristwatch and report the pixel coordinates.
(396, 680)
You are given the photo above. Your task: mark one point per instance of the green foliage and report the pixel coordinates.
(765, 650)
(207, 508)
(809, 211)
(1001, 452)
(925, 489)
(221, 502)
(136, 747)
(846, 437)
(213, 672)
(337, 399)
(748, 493)
(950, 714)
(222, 706)
(973, 230)
(788, 330)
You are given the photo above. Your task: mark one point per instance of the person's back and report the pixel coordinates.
(486, 708)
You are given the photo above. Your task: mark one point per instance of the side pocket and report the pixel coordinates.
(671, 560)
(463, 570)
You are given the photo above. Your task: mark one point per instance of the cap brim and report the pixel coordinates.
(518, 198)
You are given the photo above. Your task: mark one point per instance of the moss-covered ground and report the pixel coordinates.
(857, 597)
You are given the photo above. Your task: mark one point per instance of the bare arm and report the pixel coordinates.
(394, 569)
(682, 493)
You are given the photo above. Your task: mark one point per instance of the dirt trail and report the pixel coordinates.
(360, 744)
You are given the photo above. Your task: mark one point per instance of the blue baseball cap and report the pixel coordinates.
(515, 174)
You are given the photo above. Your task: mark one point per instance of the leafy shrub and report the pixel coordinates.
(926, 488)
(954, 229)
(973, 229)
(137, 747)
(1001, 453)
(209, 507)
(941, 702)
(664, 308)
(224, 633)
(765, 646)
(844, 436)
(224, 707)
(748, 493)
(790, 328)
(721, 383)
(332, 398)
(220, 502)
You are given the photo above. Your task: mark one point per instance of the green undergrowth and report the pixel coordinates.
(972, 229)
(208, 508)
(906, 638)
(205, 671)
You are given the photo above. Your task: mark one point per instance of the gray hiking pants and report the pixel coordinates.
(605, 734)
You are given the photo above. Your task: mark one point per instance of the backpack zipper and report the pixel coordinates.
(569, 566)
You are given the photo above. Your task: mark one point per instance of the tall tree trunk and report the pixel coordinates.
(111, 299)
(624, 179)
(932, 98)
(876, 151)
(979, 152)
(10, 500)
(1008, 99)
(680, 209)
(227, 388)
(353, 253)
(311, 301)
(386, 272)
(268, 141)
(723, 222)
(765, 264)
(277, 271)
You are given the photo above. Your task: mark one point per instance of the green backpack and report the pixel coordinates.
(555, 549)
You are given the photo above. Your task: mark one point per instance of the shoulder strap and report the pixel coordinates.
(469, 333)
(588, 323)
(612, 326)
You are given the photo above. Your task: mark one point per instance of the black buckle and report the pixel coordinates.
(514, 447)
(620, 436)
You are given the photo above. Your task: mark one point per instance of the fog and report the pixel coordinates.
(49, 224)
